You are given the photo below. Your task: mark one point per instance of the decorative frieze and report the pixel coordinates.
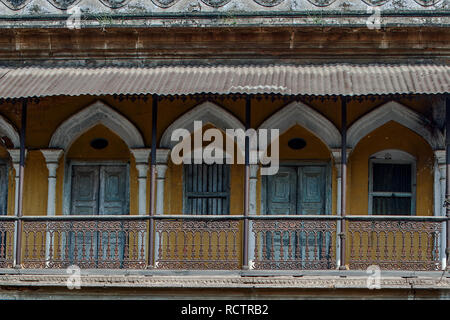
(265, 4)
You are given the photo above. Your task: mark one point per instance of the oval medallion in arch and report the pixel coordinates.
(63, 4)
(375, 3)
(15, 4)
(322, 3)
(216, 3)
(164, 3)
(114, 4)
(268, 3)
(427, 3)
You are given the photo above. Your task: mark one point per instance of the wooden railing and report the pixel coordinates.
(216, 242)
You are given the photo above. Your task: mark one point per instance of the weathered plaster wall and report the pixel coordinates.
(46, 116)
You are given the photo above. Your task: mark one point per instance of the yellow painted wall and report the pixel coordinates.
(46, 116)
(390, 136)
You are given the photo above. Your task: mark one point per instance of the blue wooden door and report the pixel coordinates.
(295, 190)
(98, 190)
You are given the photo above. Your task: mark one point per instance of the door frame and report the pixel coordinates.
(67, 185)
(299, 163)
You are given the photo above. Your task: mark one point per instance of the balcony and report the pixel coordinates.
(219, 242)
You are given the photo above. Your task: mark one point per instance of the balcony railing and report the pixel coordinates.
(183, 242)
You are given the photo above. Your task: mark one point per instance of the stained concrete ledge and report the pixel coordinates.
(147, 284)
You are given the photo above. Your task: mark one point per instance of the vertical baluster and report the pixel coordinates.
(316, 247)
(394, 254)
(200, 251)
(297, 235)
(281, 245)
(226, 249)
(420, 253)
(50, 246)
(272, 250)
(411, 246)
(306, 249)
(289, 233)
(386, 249)
(175, 247)
(324, 238)
(209, 246)
(264, 244)
(377, 250)
(34, 251)
(403, 246)
(116, 247)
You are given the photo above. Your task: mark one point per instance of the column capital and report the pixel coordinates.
(254, 171)
(162, 156)
(142, 169)
(440, 156)
(141, 155)
(337, 155)
(52, 155)
(15, 155)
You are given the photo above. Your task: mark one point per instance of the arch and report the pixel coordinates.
(394, 111)
(97, 113)
(298, 113)
(208, 113)
(8, 130)
(393, 154)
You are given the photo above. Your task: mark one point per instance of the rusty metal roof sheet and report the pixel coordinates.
(340, 79)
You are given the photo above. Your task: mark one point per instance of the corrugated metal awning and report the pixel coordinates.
(340, 79)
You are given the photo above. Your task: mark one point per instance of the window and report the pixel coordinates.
(206, 189)
(392, 183)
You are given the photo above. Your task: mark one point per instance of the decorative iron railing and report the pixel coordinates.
(218, 242)
(201, 243)
(395, 243)
(294, 243)
(7, 234)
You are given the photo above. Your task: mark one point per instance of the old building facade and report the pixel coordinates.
(91, 93)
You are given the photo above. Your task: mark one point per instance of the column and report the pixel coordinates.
(439, 196)
(15, 159)
(252, 210)
(141, 157)
(52, 157)
(162, 157)
(337, 156)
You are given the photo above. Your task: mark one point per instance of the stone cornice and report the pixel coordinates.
(236, 282)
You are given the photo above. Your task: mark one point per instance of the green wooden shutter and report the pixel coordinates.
(206, 189)
(85, 190)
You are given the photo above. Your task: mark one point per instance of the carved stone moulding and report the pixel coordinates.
(164, 3)
(63, 4)
(114, 4)
(268, 3)
(216, 3)
(15, 4)
(375, 3)
(427, 3)
(322, 3)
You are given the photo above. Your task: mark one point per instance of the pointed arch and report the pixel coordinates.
(394, 111)
(208, 113)
(8, 130)
(298, 113)
(97, 113)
